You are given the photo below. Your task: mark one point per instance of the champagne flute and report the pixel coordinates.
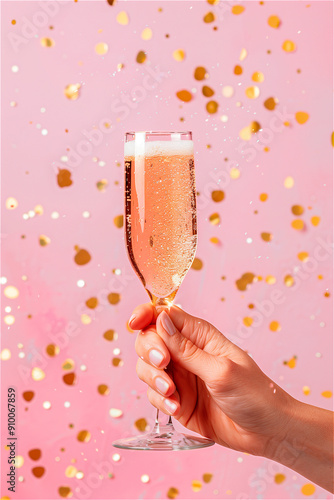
(161, 240)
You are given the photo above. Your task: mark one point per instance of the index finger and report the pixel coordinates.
(142, 316)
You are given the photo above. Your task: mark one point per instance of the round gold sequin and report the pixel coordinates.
(308, 489)
(288, 280)
(28, 395)
(301, 117)
(172, 493)
(227, 91)
(141, 57)
(209, 17)
(214, 240)
(38, 210)
(19, 461)
(38, 471)
(35, 454)
(200, 73)
(289, 182)
(237, 9)
(71, 471)
(271, 280)
(68, 364)
(52, 350)
(11, 203)
(327, 394)
(303, 256)
(101, 48)
(247, 321)
(266, 236)
(214, 219)
(247, 132)
(184, 95)
(257, 76)
(212, 107)
(117, 362)
(122, 18)
(234, 173)
(141, 424)
(82, 257)
(245, 280)
(207, 91)
(274, 21)
(92, 303)
(218, 195)
(207, 477)
(115, 413)
(64, 178)
(103, 389)
(102, 184)
(315, 220)
(146, 34)
(5, 355)
(289, 46)
(72, 91)
(270, 103)
(110, 335)
(306, 390)
(37, 374)
(252, 92)
(237, 70)
(196, 485)
(47, 42)
(297, 224)
(263, 197)
(114, 298)
(44, 240)
(11, 292)
(69, 378)
(179, 55)
(84, 436)
(297, 210)
(279, 478)
(275, 326)
(197, 264)
(65, 491)
(145, 478)
(119, 221)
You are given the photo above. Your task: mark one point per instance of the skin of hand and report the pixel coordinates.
(214, 388)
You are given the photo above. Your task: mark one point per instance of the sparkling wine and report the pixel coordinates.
(161, 223)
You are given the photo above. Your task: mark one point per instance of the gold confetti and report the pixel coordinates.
(327, 394)
(196, 485)
(101, 48)
(9, 319)
(117, 362)
(214, 240)
(289, 182)
(271, 280)
(266, 236)
(65, 492)
(37, 374)
(19, 461)
(297, 224)
(237, 9)
(252, 92)
(245, 280)
(200, 73)
(68, 364)
(332, 139)
(308, 489)
(247, 321)
(258, 77)
(38, 210)
(44, 240)
(270, 103)
(184, 95)
(303, 256)
(85, 319)
(263, 197)
(92, 303)
(209, 17)
(38, 471)
(279, 478)
(288, 280)
(207, 477)
(246, 133)
(47, 42)
(179, 55)
(145, 478)
(122, 18)
(35, 454)
(291, 363)
(119, 221)
(141, 424)
(214, 219)
(115, 413)
(114, 298)
(102, 184)
(275, 326)
(207, 91)
(274, 21)
(288, 46)
(5, 355)
(315, 220)
(234, 173)
(301, 117)
(11, 292)
(146, 34)
(212, 107)
(11, 203)
(218, 195)
(69, 378)
(28, 395)
(103, 390)
(52, 350)
(306, 390)
(72, 91)
(84, 436)
(197, 264)
(237, 70)
(243, 54)
(297, 210)
(227, 91)
(141, 57)
(64, 178)
(71, 471)
(172, 493)
(110, 335)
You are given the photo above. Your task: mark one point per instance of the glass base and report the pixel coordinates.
(163, 438)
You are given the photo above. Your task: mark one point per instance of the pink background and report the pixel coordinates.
(50, 301)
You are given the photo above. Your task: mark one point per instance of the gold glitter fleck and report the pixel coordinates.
(308, 489)
(271, 280)
(72, 91)
(237, 9)
(247, 321)
(301, 117)
(303, 256)
(263, 197)
(279, 478)
(197, 264)
(179, 55)
(37, 374)
(38, 210)
(218, 195)
(119, 221)
(146, 34)
(102, 184)
(114, 298)
(68, 364)
(11, 292)
(69, 378)
(117, 362)
(327, 294)
(101, 48)
(38, 471)
(297, 210)
(270, 103)
(288, 280)
(209, 17)
(71, 471)
(266, 236)
(258, 77)
(47, 42)
(84, 436)
(214, 240)
(11, 203)
(65, 491)
(92, 303)
(110, 335)
(306, 390)
(207, 477)
(103, 389)
(289, 46)
(237, 70)
(214, 219)
(122, 18)
(275, 326)
(234, 173)
(115, 413)
(245, 280)
(85, 319)
(243, 54)
(291, 363)
(200, 73)
(52, 350)
(141, 424)
(327, 394)
(320, 277)
(289, 182)
(212, 107)
(5, 355)
(28, 395)
(184, 95)
(64, 178)
(252, 92)
(207, 91)
(13, 21)
(315, 220)
(141, 57)
(297, 224)
(274, 21)
(19, 461)
(172, 493)
(44, 240)
(82, 257)
(35, 454)
(196, 485)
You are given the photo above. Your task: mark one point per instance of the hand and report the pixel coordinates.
(216, 389)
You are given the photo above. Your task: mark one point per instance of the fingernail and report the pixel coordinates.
(170, 406)
(161, 385)
(155, 357)
(132, 318)
(167, 323)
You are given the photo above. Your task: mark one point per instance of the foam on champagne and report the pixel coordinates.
(159, 148)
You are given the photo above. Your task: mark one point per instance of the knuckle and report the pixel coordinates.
(187, 349)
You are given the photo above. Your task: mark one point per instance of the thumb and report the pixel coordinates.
(182, 350)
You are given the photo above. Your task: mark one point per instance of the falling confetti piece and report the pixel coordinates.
(237, 70)
(298, 224)
(196, 485)
(84, 436)
(52, 350)
(315, 220)
(184, 95)
(275, 326)
(228, 91)
(117, 362)
(247, 321)
(72, 91)
(197, 264)
(28, 395)
(291, 363)
(218, 195)
(200, 73)
(258, 77)
(301, 117)
(288, 280)
(327, 394)
(271, 280)
(214, 240)
(214, 219)
(172, 493)
(308, 489)
(252, 128)
(237, 9)
(38, 471)
(274, 21)
(47, 42)
(245, 280)
(71, 471)
(179, 55)
(101, 48)
(119, 221)
(141, 424)
(110, 335)
(11, 203)
(297, 210)
(19, 461)
(279, 478)
(212, 107)
(207, 91)
(69, 378)
(209, 17)
(270, 103)
(289, 182)
(141, 57)
(303, 256)
(146, 34)
(115, 413)
(263, 197)
(68, 364)
(44, 240)
(92, 303)
(35, 454)
(114, 298)
(122, 18)
(5, 355)
(64, 178)
(102, 184)
(243, 54)
(103, 389)
(252, 92)
(207, 477)
(234, 173)
(82, 257)
(11, 292)
(37, 374)
(306, 390)
(288, 46)
(266, 236)
(65, 491)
